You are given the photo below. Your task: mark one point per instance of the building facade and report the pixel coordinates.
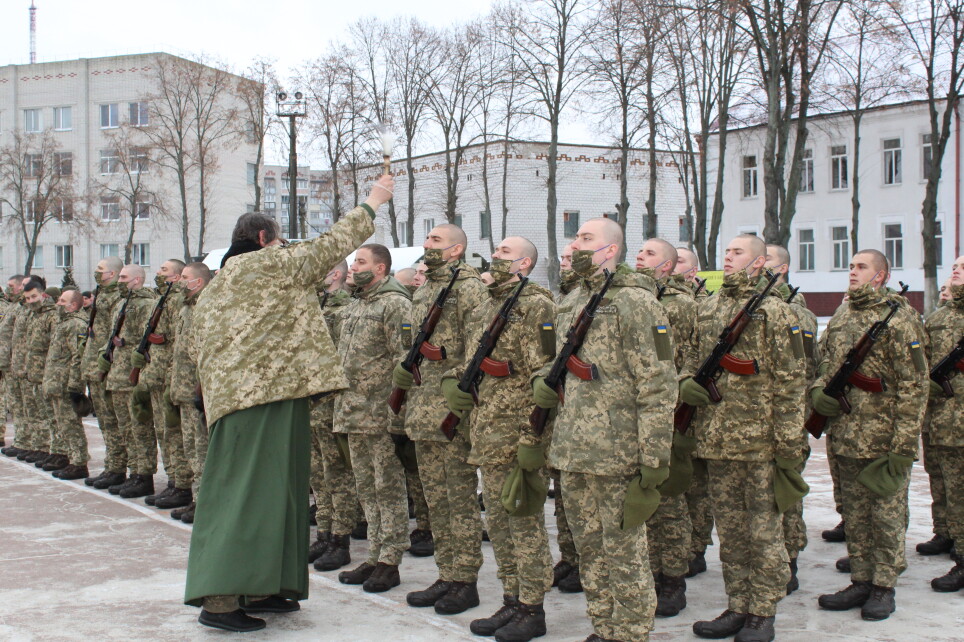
(314, 196)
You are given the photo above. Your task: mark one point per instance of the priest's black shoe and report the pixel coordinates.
(272, 604)
(236, 621)
(724, 625)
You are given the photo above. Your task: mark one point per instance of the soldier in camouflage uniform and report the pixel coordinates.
(44, 436)
(6, 305)
(375, 335)
(753, 431)
(63, 384)
(448, 480)
(612, 436)
(107, 300)
(18, 372)
(11, 389)
(502, 439)
(141, 440)
(876, 443)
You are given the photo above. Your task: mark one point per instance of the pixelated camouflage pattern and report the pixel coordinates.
(11, 310)
(18, 342)
(38, 335)
(156, 373)
(681, 306)
(183, 374)
(138, 312)
(40, 419)
(70, 429)
(177, 464)
(567, 547)
(700, 507)
(944, 329)
(669, 531)
(380, 484)
(106, 300)
(62, 368)
(949, 460)
(931, 456)
(139, 436)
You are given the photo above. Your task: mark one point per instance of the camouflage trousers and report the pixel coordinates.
(115, 441)
(700, 508)
(950, 460)
(4, 406)
(71, 430)
(450, 486)
(380, 482)
(567, 547)
(413, 482)
(176, 464)
(194, 431)
(754, 558)
(40, 420)
(613, 563)
(876, 527)
(794, 526)
(668, 537)
(834, 467)
(337, 501)
(11, 389)
(935, 476)
(521, 544)
(140, 437)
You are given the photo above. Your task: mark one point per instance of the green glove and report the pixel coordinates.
(141, 404)
(680, 466)
(640, 503)
(935, 391)
(524, 492)
(103, 364)
(172, 416)
(898, 464)
(531, 457)
(543, 395)
(138, 360)
(788, 485)
(883, 478)
(457, 401)
(402, 378)
(651, 478)
(341, 440)
(824, 404)
(693, 394)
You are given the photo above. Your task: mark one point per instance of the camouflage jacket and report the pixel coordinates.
(624, 419)
(62, 368)
(18, 342)
(11, 312)
(138, 312)
(501, 420)
(38, 334)
(106, 297)
(761, 415)
(375, 334)
(258, 325)
(884, 422)
(158, 370)
(945, 415)
(334, 307)
(183, 371)
(807, 321)
(681, 306)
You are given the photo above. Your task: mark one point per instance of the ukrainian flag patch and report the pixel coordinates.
(795, 329)
(661, 329)
(407, 334)
(807, 334)
(917, 356)
(547, 326)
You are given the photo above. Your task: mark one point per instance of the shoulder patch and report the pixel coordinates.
(406, 334)
(796, 341)
(808, 343)
(917, 356)
(664, 351)
(547, 339)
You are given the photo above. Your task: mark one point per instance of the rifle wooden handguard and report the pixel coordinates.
(118, 342)
(495, 368)
(431, 352)
(581, 369)
(156, 339)
(867, 384)
(741, 367)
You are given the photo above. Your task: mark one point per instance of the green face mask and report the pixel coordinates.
(34, 306)
(861, 295)
(122, 288)
(583, 264)
(9, 292)
(567, 279)
(501, 270)
(99, 278)
(161, 281)
(361, 279)
(434, 258)
(411, 288)
(61, 311)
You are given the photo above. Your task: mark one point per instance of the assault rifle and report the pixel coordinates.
(115, 341)
(93, 314)
(481, 363)
(701, 283)
(324, 299)
(793, 293)
(660, 291)
(720, 358)
(149, 335)
(942, 372)
(566, 360)
(847, 374)
(421, 348)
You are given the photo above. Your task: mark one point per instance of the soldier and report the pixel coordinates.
(405, 276)
(612, 436)
(420, 278)
(876, 443)
(6, 305)
(503, 441)
(63, 384)
(18, 354)
(139, 431)
(11, 388)
(375, 334)
(88, 300)
(99, 327)
(449, 481)
(44, 434)
(750, 436)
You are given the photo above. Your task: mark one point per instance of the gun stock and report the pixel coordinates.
(815, 424)
(396, 399)
(449, 424)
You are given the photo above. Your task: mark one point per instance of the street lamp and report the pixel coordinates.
(292, 107)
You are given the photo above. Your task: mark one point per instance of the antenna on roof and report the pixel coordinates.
(33, 33)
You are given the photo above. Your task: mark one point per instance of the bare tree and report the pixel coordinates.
(257, 83)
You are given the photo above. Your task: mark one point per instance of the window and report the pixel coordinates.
(284, 201)
(302, 183)
(841, 247)
(252, 173)
(807, 248)
(108, 116)
(64, 210)
(64, 256)
(894, 245)
(109, 161)
(806, 172)
(38, 258)
(429, 224)
(927, 155)
(269, 205)
(141, 254)
(403, 239)
(570, 223)
(893, 174)
(32, 121)
(270, 186)
(143, 211)
(31, 212)
(138, 114)
(485, 224)
(939, 243)
(139, 161)
(685, 229)
(63, 119)
(839, 176)
(64, 163)
(109, 208)
(33, 165)
(749, 176)
(109, 249)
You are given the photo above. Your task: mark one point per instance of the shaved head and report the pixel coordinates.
(71, 300)
(113, 263)
(746, 251)
(875, 258)
(687, 263)
(405, 276)
(756, 244)
(663, 251)
(778, 260)
(609, 230)
(454, 234)
(133, 275)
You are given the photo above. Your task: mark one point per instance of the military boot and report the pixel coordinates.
(319, 546)
(116, 488)
(528, 621)
(360, 531)
(72, 472)
(697, 565)
(757, 629)
(178, 498)
(843, 564)
(954, 580)
(23, 454)
(90, 480)
(336, 556)
(429, 596)
(881, 603)
(151, 499)
(489, 625)
(110, 479)
(724, 625)
(11, 451)
(794, 582)
(178, 513)
(836, 534)
(572, 582)
(384, 578)
(35, 456)
(188, 515)
(937, 545)
(56, 462)
(560, 571)
(671, 598)
(851, 597)
(423, 545)
(357, 575)
(144, 485)
(461, 597)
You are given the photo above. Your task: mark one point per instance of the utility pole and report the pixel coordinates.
(292, 110)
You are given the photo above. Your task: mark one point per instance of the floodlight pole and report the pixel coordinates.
(292, 178)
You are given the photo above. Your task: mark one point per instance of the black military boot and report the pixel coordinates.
(423, 545)
(56, 462)
(881, 603)
(72, 472)
(110, 479)
(188, 515)
(697, 565)
(938, 545)
(313, 514)
(794, 582)
(23, 454)
(560, 570)
(572, 582)
(836, 534)
(10, 451)
(140, 488)
(489, 625)
(178, 513)
(843, 564)
(35, 456)
(384, 578)
(953, 581)
(851, 597)
(429, 596)
(178, 498)
(90, 480)
(357, 575)
(116, 488)
(528, 621)
(461, 597)
(336, 556)
(151, 500)
(319, 546)
(360, 531)
(757, 629)
(724, 625)
(671, 598)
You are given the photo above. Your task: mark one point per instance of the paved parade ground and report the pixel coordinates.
(80, 564)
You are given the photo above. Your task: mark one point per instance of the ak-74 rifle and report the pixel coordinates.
(149, 337)
(941, 373)
(701, 283)
(660, 291)
(793, 293)
(720, 358)
(481, 363)
(115, 341)
(421, 348)
(93, 314)
(566, 360)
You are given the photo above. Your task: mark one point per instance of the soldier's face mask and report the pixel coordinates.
(361, 279)
(650, 271)
(434, 257)
(161, 281)
(99, 278)
(583, 261)
(567, 278)
(123, 288)
(501, 270)
(188, 286)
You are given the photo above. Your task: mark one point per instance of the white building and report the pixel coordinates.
(314, 194)
(893, 151)
(85, 105)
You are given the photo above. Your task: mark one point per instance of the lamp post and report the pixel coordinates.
(291, 108)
